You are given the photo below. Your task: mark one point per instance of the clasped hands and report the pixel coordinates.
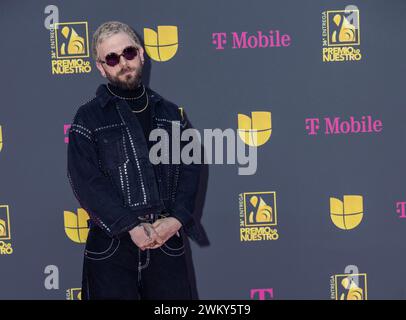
(152, 236)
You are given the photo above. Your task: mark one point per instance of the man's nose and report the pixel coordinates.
(123, 61)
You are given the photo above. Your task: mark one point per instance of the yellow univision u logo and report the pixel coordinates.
(257, 130)
(347, 214)
(161, 45)
(76, 226)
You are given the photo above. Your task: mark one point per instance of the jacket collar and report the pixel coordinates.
(105, 97)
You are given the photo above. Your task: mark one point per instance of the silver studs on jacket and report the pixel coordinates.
(137, 164)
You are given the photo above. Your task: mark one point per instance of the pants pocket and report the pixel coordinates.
(99, 246)
(174, 246)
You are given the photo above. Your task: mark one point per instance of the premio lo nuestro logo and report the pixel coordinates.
(5, 234)
(69, 48)
(351, 285)
(258, 217)
(74, 294)
(341, 35)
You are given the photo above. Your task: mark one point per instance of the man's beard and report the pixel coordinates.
(130, 82)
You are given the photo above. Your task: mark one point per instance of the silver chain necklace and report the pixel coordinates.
(137, 111)
(125, 98)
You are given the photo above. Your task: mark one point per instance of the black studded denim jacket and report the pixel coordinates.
(110, 171)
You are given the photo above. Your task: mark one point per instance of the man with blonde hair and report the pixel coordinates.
(139, 211)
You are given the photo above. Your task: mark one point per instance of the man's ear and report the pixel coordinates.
(101, 69)
(141, 52)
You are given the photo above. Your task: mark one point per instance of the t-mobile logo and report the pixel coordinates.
(219, 40)
(338, 125)
(312, 126)
(246, 40)
(262, 294)
(401, 209)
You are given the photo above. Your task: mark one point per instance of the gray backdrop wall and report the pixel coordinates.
(301, 168)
